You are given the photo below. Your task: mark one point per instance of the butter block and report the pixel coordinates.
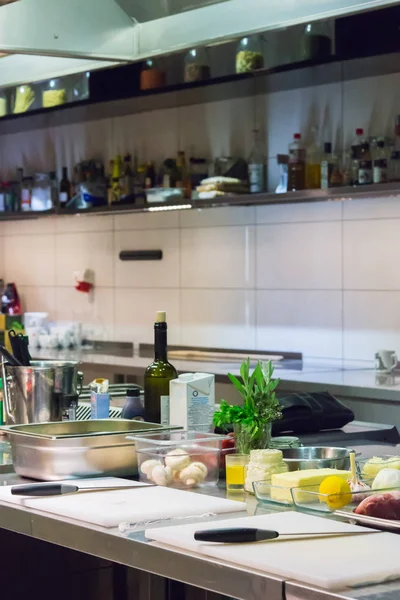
(282, 483)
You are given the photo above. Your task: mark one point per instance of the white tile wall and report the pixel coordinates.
(218, 257)
(299, 256)
(321, 278)
(218, 318)
(300, 321)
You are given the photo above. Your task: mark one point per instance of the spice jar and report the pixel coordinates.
(197, 66)
(152, 76)
(249, 56)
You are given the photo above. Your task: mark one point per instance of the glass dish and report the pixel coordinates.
(309, 499)
(377, 463)
(190, 467)
(283, 496)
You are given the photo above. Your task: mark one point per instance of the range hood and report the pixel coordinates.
(48, 38)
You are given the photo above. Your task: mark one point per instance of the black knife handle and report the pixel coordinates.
(43, 489)
(235, 535)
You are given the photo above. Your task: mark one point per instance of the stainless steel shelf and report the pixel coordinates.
(334, 195)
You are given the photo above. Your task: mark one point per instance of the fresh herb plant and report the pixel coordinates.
(260, 405)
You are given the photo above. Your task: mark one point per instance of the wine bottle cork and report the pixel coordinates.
(161, 316)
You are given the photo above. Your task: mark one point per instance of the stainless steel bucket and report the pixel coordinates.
(38, 393)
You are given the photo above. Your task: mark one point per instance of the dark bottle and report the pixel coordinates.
(150, 179)
(133, 407)
(158, 375)
(65, 188)
(365, 165)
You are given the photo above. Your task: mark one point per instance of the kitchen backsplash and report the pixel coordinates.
(315, 278)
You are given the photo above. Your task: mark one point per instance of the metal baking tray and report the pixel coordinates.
(375, 522)
(71, 449)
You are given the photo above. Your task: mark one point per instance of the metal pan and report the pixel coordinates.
(70, 449)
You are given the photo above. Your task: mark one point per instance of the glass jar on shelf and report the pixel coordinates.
(249, 54)
(316, 41)
(152, 76)
(197, 67)
(3, 104)
(54, 93)
(80, 87)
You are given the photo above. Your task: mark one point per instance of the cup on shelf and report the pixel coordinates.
(385, 361)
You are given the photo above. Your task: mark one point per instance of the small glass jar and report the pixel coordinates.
(152, 76)
(197, 67)
(3, 104)
(249, 54)
(316, 41)
(54, 93)
(80, 88)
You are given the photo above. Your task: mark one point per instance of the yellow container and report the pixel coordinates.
(235, 465)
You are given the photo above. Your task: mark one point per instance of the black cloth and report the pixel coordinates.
(308, 413)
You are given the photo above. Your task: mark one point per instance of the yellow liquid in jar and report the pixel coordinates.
(235, 475)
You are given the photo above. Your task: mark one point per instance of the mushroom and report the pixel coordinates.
(192, 475)
(202, 468)
(148, 465)
(161, 475)
(177, 459)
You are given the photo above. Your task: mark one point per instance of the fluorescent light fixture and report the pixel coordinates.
(171, 207)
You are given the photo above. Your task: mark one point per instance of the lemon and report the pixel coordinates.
(335, 492)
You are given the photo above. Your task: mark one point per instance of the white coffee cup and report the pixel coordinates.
(385, 361)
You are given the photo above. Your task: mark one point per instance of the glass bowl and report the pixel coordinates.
(370, 467)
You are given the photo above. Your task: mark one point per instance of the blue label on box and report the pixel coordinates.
(99, 406)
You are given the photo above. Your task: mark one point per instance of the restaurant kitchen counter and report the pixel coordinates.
(135, 551)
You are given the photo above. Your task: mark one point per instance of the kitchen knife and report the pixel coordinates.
(60, 489)
(244, 535)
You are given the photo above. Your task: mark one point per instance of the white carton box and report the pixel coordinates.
(192, 401)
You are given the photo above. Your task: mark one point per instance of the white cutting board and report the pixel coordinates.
(109, 509)
(330, 563)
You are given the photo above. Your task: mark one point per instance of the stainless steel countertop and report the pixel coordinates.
(137, 552)
(354, 379)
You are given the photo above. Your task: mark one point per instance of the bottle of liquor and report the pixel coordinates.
(54, 198)
(313, 163)
(65, 188)
(158, 375)
(296, 165)
(150, 179)
(256, 164)
(182, 175)
(326, 166)
(365, 164)
(356, 155)
(380, 173)
(127, 187)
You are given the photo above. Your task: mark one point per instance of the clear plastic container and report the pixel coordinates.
(249, 54)
(178, 439)
(187, 467)
(197, 67)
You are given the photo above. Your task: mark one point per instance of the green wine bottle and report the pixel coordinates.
(158, 375)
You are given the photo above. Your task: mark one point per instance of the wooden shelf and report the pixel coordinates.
(306, 196)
